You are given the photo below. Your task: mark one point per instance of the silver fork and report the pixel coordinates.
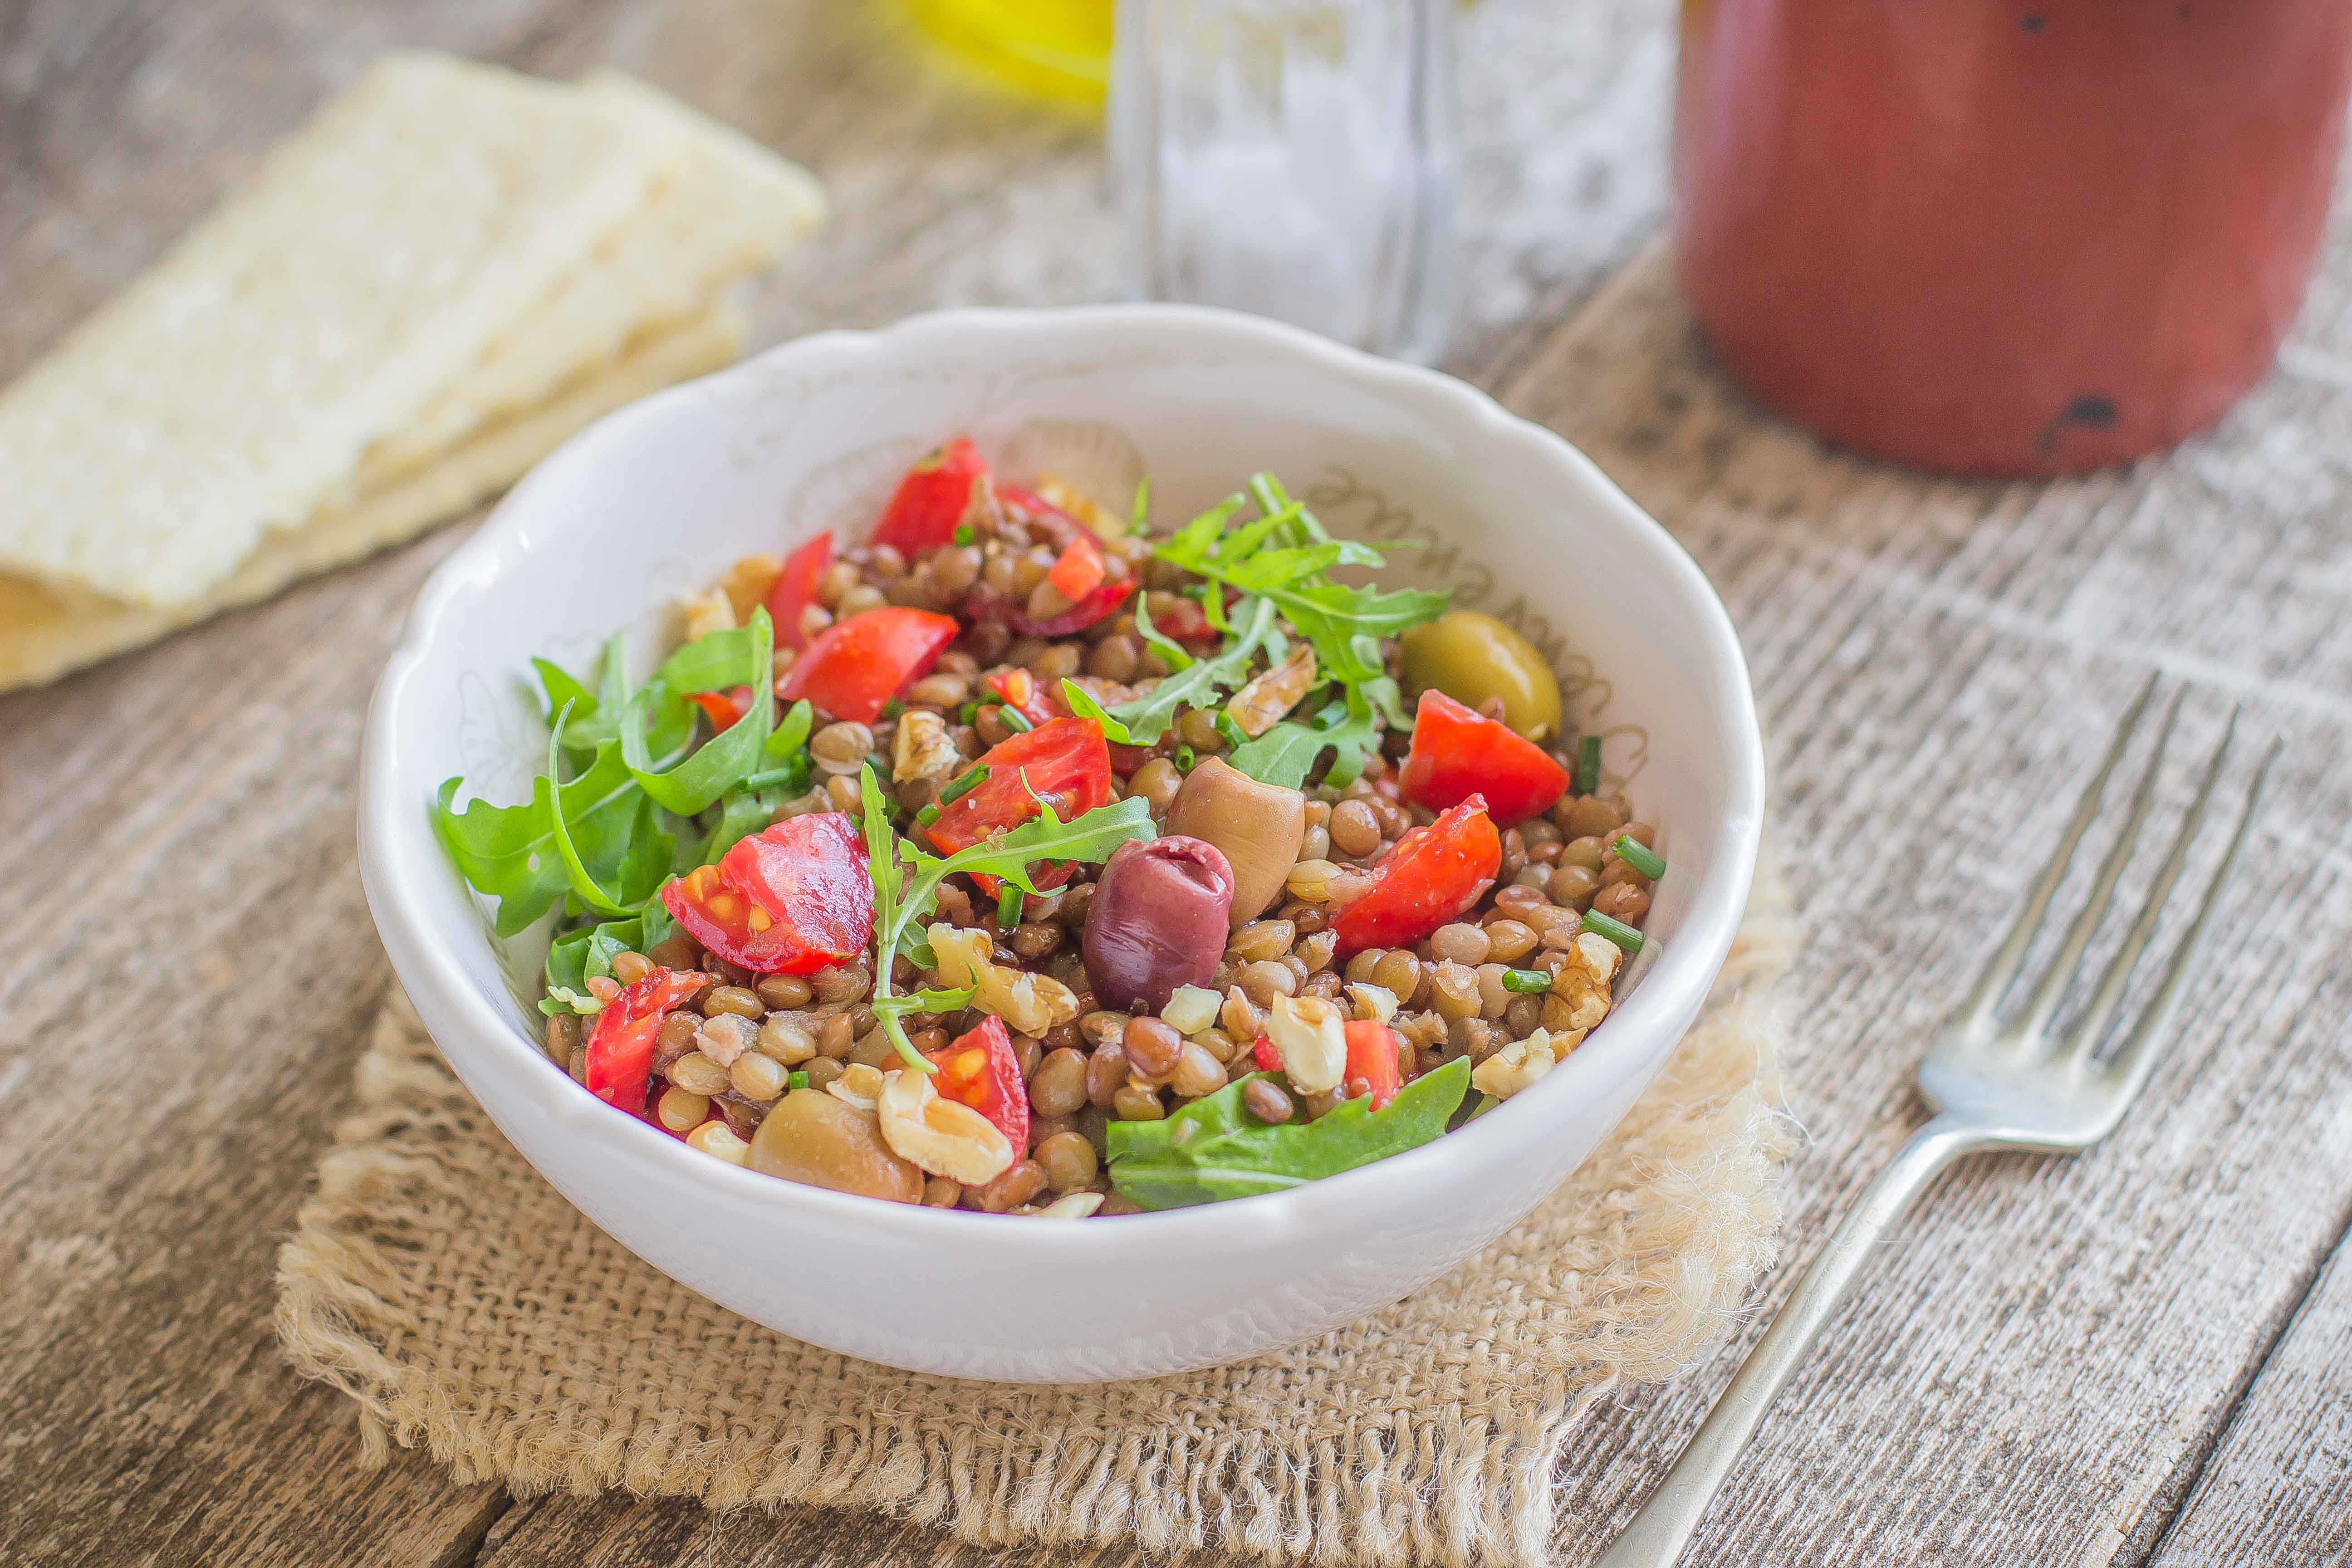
(1992, 1087)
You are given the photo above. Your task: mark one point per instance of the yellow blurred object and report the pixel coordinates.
(1052, 48)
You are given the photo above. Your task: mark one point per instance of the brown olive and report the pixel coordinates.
(824, 1141)
(1158, 920)
(1257, 827)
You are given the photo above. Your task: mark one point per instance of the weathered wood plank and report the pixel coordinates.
(2278, 1488)
(2037, 1374)
(179, 822)
(2035, 1369)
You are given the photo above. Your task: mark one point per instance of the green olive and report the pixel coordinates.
(815, 1137)
(1470, 657)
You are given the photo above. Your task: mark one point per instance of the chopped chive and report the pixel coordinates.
(796, 1080)
(1639, 856)
(1231, 730)
(970, 781)
(1526, 982)
(927, 816)
(1184, 759)
(970, 712)
(1616, 931)
(1588, 764)
(1014, 720)
(1008, 906)
(965, 533)
(1138, 516)
(893, 709)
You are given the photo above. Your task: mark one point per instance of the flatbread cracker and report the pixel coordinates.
(369, 266)
(724, 208)
(45, 632)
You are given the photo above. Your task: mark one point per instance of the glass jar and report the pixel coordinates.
(1295, 158)
(2004, 237)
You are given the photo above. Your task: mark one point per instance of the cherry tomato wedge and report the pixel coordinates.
(621, 1046)
(1262, 1052)
(795, 588)
(1433, 874)
(1020, 690)
(855, 667)
(937, 493)
(985, 604)
(788, 900)
(724, 707)
(1065, 761)
(978, 1069)
(1079, 570)
(1458, 752)
(1373, 1060)
(1186, 622)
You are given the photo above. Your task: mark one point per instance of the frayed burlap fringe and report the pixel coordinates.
(465, 1305)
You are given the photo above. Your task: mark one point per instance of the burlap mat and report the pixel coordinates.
(468, 1307)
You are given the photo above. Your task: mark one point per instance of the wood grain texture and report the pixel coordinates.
(2053, 1358)
(2047, 1357)
(2279, 1489)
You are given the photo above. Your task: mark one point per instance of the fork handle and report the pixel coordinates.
(1658, 1533)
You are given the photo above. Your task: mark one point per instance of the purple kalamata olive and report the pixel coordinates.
(1158, 920)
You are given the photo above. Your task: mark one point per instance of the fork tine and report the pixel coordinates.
(2102, 1005)
(2136, 1058)
(2011, 955)
(2069, 958)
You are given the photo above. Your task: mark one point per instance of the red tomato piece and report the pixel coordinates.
(1432, 875)
(1262, 1052)
(1020, 690)
(795, 588)
(1079, 570)
(936, 494)
(1458, 752)
(724, 707)
(788, 900)
(1186, 622)
(1373, 1060)
(621, 1046)
(855, 667)
(1065, 761)
(978, 1069)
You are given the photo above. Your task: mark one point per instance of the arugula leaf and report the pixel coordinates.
(792, 730)
(741, 815)
(1143, 720)
(579, 956)
(740, 656)
(1172, 653)
(511, 853)
(1339, 621)
(585, 885)
(902, 901)
(1213, 1148)
(563, 689)
(923, 1002)
(1286, 754)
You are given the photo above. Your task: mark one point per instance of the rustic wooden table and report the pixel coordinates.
(2138, 1358)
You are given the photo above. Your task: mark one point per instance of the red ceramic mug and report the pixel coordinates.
(2004, 237)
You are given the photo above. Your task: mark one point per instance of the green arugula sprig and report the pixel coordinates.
(905, 894)
(644, 804)
(1283, 557)
(1214, 1149)
(1141, 720)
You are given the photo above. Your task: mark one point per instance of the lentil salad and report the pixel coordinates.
(1021, 860)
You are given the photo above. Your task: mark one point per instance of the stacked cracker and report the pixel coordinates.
(448, 272)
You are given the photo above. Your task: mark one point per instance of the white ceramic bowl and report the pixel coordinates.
(661, 497)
